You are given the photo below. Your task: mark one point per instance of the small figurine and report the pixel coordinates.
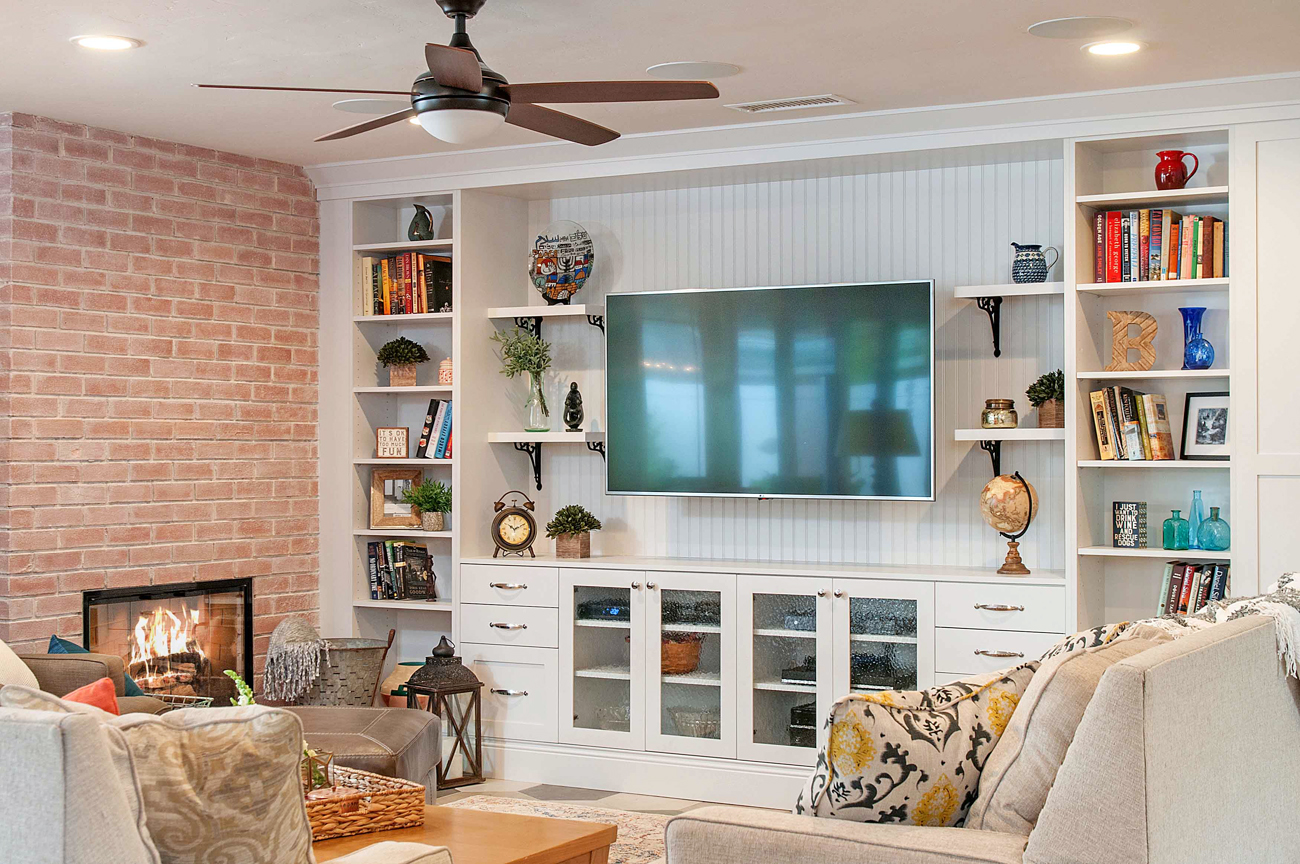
(573, 413)
(421, 227)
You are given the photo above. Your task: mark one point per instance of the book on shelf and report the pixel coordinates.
(435, 434)
(407, 283)
(1188, 588)
(1129, 524)
(1157, 244)
(400, 570)
(1129, 425)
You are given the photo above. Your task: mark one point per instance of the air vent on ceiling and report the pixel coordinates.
(794, 104)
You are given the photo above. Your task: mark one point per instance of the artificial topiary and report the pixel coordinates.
(1049, 386)
(431, 496)
(574, 519)
(402, 352)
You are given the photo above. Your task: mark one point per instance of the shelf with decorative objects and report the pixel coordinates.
(402, 463)
(531, 317)
(1146, 552)
(1152, 374)
(1162, 464)
(398, 391)
(1156, 198)
(530, 444)
(443, 246)
(416, 318)
(990, 440)
(415, 605)
(1152, 287)
(989, 298)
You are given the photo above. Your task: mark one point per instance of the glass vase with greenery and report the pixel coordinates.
(433, 499)
(524, 353)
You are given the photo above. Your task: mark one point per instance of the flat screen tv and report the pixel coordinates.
(817, 391)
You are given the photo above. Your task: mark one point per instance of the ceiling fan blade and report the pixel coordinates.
(611, 91)
(454, 67)
(376, 123)
(558, 124)
(302, 89)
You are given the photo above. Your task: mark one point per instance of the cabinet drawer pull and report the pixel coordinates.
(502, 626)
(508, 586)
(999, 607)
(501, 692)
(983, 653)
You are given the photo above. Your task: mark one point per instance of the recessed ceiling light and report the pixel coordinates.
(372, 106)
(693, 70)
(1080, 27)
(106, 43)
(1112, 49)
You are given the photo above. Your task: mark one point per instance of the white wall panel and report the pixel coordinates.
(953, 223)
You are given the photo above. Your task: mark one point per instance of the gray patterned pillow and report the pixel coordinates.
(914, 757)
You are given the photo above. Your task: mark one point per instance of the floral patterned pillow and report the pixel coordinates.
(1084, 639)
(912, 757)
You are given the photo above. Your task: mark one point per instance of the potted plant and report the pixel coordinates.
(1047, 394)
(524, 353)
(400, 357)
(432, 499)
(571, 529)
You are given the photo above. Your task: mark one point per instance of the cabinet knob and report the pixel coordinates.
(503, 626)
(983, 653)
(503, 692)
(652, 585)
(822, 593)
(636, 585)
(839, 593)
(999, 607)
(508, 586)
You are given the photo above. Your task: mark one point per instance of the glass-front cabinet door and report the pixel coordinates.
(784, 666)
(602, 662)
(884, 635)
(690, 661)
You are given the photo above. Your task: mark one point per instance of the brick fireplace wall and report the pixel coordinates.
(158, 337)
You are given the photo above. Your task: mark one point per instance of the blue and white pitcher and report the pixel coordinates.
(1030, 264)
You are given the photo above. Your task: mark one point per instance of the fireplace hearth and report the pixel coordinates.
(175, 639)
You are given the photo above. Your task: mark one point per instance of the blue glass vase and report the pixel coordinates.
(1198, 353)
(1195, 516)
(1175, 532)
(1215, 534)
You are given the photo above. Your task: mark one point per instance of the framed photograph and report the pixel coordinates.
(387, 509)
(1205, 427)
(391, 442)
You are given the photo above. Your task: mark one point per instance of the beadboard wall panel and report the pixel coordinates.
(951, 223)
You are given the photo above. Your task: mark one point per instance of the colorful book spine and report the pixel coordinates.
(1134, 234)
(1140, 406)
(1175, 588)
(1113, 246)
(1159, 435)
(1219, 589)
(1220, 236)
(444, 430)
(1105, 449)
(1157, 236)
(1175, 245)
(1186, 258)
(1164, 588)
(1099, 250)
(1144, 245)
(372, 566)
(1113, 423)
(426, 431)
(1189, 584)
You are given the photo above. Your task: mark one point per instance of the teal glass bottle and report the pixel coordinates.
(1195, 516)
(1176, 532)
(1215, 534)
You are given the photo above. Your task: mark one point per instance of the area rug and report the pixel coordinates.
(640, 835)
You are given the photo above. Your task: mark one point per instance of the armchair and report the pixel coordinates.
(60, 674)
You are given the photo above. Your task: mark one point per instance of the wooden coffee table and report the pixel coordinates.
(479, 837)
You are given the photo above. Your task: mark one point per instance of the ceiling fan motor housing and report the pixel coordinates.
(468, 8)
(428, 95)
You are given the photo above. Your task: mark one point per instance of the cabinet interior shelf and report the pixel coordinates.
(1008, 289)
(1153, 374)
(1164, 464)
(416, 318)
(782, 633)
(1158, 286)
(669, 627)
(872, 637)
(1168, 554)
(783, 687)
(421, 605)
(1157, 197)
(613, 673)
(612, 625)
(1019, 434)
(700, 678)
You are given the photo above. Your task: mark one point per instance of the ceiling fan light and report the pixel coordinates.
(460, 125)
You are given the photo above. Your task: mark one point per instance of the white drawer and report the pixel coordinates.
(510, 585)
(970, 651)
(999, 606)
(519, 686)
(509, 625)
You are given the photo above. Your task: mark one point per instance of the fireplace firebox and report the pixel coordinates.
(175, 639)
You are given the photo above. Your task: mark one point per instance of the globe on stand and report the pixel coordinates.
(1009, 504)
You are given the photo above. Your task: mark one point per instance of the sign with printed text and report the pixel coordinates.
(391, 442)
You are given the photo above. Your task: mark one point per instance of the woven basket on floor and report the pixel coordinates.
(349, 675)
(380, 804)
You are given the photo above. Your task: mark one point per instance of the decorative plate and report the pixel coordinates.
(561, 261)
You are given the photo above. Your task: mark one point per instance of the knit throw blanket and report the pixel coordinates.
(292, 660)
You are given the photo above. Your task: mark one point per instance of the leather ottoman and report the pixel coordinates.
(394, 742)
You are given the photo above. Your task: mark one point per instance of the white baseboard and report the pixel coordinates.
(724, 781)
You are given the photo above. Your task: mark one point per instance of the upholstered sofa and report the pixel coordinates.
(1187, 753)
(60, 674)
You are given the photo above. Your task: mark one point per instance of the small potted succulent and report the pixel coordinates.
(571, 529)
(432, 499)
(524, 353)
(1047, 394)
(400, 357)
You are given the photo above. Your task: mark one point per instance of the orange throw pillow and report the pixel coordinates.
(100, 694)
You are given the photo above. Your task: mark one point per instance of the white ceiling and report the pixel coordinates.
(883, 54)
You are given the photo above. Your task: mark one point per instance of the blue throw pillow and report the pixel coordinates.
(63, 646)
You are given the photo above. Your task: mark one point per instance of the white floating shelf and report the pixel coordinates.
(1019, 434)
(404, 319)
(423, 388)
(405, 463)
(405, 246)
(1168, 554)
(401, 532)
(1008, 289)
(782, 633)
(1165, 464)
(1159, 286)
(573, 310)
(1157, 197)
(1154, 374)
(613, 673)
(872, 637)
(702, 679)
(544, 437)
(783, 687)
(421, 605)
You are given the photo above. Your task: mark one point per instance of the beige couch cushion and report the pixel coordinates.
(1020, 771)
(15, 671)
(912, 757)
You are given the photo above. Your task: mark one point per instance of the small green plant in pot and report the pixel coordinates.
(432, 499)
(571, 529)
(400, 357)
(525, 354)
(1047, 394)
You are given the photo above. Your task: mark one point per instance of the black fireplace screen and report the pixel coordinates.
(175, 639)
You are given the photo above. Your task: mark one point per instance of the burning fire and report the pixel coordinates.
(162, 638)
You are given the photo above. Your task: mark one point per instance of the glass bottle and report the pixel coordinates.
(999, 414)
(1176, 531)
(537, 414)
(1198, 353)
(1195, 516)
(1215, 534)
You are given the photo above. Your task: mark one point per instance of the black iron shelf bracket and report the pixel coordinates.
(597, 321)
(533, 324)
(993, 306)
(993, 448)
(534, 451)
(597, 447)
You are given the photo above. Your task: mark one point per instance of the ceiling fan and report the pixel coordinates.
(460, 99)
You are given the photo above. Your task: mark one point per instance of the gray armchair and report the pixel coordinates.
(60, 674)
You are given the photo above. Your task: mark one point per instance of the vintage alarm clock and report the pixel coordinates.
(514, 529)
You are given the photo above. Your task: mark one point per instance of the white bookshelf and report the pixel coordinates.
(1149, 287)
(1155, 198)
(444, 246)
(1163, 554)
(417, 318)
(1155, 375)
(1156, 464)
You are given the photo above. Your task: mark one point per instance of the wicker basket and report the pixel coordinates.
(349, 675)
(380, 804)
(680, 658)
(1051, 415)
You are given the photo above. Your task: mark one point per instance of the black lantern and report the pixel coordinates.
(455, 695)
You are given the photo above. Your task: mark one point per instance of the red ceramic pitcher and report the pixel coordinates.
(1171, 173)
